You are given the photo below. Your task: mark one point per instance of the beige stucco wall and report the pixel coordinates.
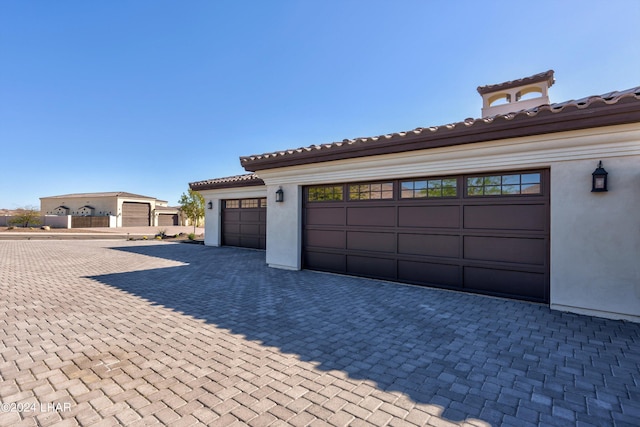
(213, 217)
(595, 238)
(101, 205)
(284, 227)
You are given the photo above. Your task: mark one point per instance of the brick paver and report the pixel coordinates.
(142, 333)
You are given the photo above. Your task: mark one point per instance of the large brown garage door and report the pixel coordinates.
(244, 223)
(484, 233)
(135, 214)
(168, 219)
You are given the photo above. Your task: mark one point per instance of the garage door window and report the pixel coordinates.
(377, 191)
(325, 193)
(232, 204)
(445, 187)
(504, 185)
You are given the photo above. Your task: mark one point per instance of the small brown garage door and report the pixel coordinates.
(484, 233)
(244, 223)
(135, 214)
(167, 219)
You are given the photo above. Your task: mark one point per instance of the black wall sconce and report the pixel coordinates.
(280, 195)
(210, 205)
(599, 179)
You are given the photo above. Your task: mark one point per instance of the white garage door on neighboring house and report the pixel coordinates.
(136, 214)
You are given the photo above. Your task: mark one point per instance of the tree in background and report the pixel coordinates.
(192, 204)
(26, 216)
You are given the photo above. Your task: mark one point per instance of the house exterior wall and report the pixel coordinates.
(595, 238)
(213, 217)
(101, 205)
(284, 228)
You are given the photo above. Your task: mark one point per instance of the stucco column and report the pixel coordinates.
(284, 227)
(212, 222)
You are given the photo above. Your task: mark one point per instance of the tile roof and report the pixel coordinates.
(612, 108)
(245, 180)
(540, 77)
(104, 194)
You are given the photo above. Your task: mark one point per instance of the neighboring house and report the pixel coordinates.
(111, 209)
(511, 204)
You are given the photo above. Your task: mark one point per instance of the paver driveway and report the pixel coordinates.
(136, 333)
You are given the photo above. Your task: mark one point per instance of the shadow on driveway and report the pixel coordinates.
(477, 357)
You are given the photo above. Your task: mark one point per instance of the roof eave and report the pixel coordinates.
(230, 184)
(544, 121)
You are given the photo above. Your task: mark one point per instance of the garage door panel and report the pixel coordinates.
(522, 284)
(250, 242)
(430, 273)
(231, 240)
(429, 216)
(325, 238)
(372, 267)
(325, 216)
(506, 217)
(370, 241)
(231, 228)
(435, 245)
(371, 216)
(326, 261)
(249, 216)
(506, 249)
(251, 229)
(232, 215)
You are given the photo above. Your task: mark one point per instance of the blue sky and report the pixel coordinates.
(147, 96)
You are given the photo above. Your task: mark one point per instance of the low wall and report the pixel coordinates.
(57, 221)
(53, 221)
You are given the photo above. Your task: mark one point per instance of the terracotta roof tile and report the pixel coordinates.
(540, 77)
(245, 180)
(538, 120)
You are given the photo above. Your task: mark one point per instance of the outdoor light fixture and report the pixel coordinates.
(599, 180)
(280, 195)
(210, 204)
